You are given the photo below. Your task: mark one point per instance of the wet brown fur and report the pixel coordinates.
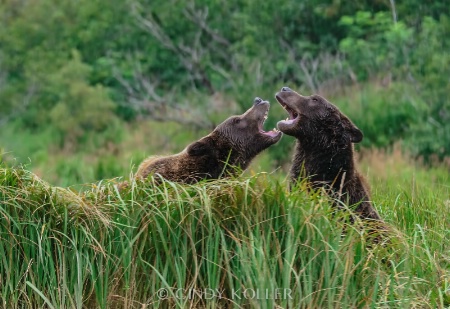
(229, 148)
(324, 149)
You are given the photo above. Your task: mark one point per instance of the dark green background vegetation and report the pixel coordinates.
(81, 79)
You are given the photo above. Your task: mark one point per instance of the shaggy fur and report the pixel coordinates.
(230, 147)
(324, 149)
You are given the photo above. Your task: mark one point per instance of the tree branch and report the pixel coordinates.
(190, 55)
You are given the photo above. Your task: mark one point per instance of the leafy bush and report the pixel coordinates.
(385, 115)
(79, 109)
(431, 69)
(377, 47)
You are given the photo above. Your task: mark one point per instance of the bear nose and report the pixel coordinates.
(257, 101)
(286, 89)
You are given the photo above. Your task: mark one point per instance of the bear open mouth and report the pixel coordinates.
(273, 133)
(293, 115)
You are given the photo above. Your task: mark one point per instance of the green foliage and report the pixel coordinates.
(38, 39)
(79, 107)
(78, 69)
(374, 44)
(385, 115)
(394, 51)
(102, 248)
(431, 67)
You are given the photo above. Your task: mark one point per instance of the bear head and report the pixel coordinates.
(244, 134)
(315, 120)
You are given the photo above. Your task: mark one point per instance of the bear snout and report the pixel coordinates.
(257, 101)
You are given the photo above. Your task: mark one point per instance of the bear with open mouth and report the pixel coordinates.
(324, 149)
(230, 147)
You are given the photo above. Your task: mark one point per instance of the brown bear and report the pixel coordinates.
(230, 147)
(324, 150)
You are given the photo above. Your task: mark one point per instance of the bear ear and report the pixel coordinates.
(199, 148)
(355, 134)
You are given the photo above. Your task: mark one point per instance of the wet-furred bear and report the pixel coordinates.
(230, 147)
(324, 149)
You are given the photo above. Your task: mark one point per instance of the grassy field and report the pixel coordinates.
(241, 243)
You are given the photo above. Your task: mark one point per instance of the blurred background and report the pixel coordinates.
(89, 88)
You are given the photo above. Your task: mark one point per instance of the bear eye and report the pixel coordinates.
(236, 120)
(315, 100)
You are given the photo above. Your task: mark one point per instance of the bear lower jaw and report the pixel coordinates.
(273, 133)
(288, 121)
(287, 125)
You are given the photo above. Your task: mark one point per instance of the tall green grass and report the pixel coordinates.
(248, 239)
